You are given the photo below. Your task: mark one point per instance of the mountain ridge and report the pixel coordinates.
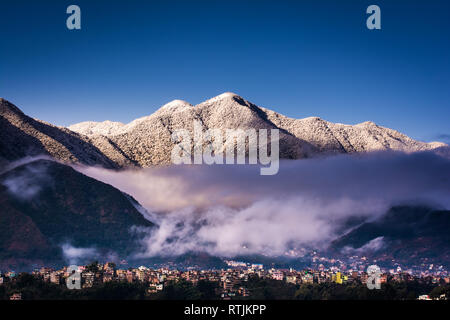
(402, 233)
(147, 141)
(23, 136)
(299, 138)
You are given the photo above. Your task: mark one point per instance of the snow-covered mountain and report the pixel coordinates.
(22, 136)
(103, 128)
(147, 140)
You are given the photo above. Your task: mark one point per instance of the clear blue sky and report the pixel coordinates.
(300, 58)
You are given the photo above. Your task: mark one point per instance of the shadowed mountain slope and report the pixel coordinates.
(45, 204)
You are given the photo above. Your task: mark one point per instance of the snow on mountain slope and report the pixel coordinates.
(338, 138)
(22, 136)
(90, 127)
(147, 140)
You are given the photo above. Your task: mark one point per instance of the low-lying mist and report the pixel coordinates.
(230, 210)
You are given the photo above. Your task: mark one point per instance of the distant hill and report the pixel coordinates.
(403, 233)
(45, 204)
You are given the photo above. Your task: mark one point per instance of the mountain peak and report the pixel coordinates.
(224, 96)
(91, 127)
(228, 94)
(7, 107)
(367, 124)
(176, 104)
(173, 106)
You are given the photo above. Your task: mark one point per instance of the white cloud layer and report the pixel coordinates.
(231, 210)
(74, 254)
